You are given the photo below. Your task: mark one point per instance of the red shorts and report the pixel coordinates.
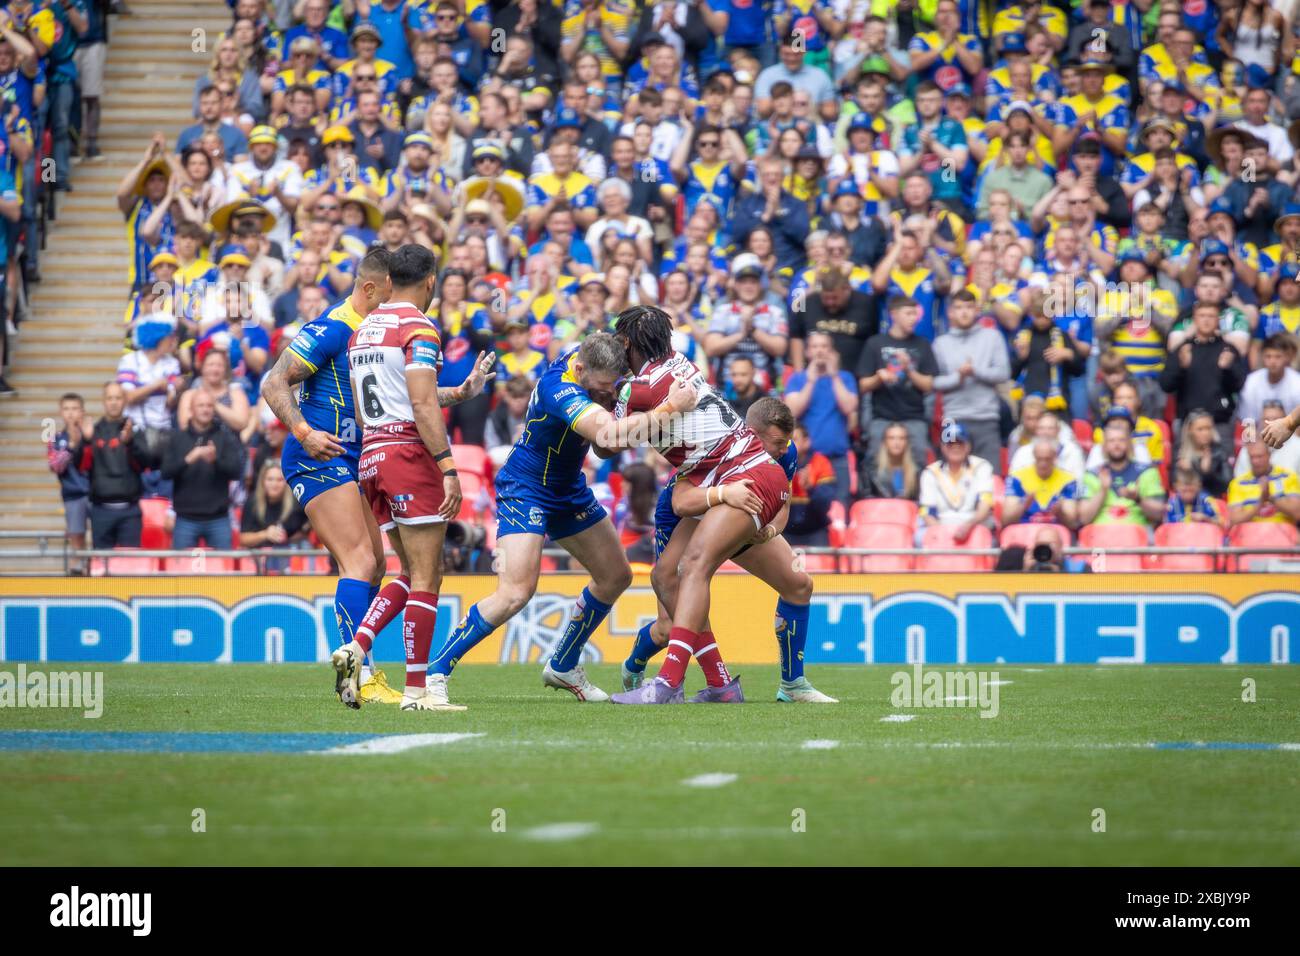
(768, 479)
(402, 484)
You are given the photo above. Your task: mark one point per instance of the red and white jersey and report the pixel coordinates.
(705, 444)
(394, 340)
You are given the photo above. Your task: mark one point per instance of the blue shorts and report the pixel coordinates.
(525, 507)
(665, 518)
(308, 478)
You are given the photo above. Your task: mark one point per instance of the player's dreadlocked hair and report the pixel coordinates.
(649, 329)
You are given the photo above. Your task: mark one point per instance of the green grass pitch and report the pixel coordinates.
(946, 787)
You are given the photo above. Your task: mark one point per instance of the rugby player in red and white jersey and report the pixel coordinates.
(406, 469)
(711, 446)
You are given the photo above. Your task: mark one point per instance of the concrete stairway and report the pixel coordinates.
(72, 340)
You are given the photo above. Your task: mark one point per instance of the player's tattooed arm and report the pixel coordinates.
(472, 387)
(605, 431)
(277, 388)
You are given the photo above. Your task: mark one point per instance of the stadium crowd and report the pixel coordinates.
(1024, 272)
(52, 56)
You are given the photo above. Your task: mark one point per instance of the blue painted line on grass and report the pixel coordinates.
(1218, 745)
(155, 742)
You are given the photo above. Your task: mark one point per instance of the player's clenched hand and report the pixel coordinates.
(322, 446)
(481, 375)
(682, 397)
(1276, 433)
(739, 496)
(451, 497)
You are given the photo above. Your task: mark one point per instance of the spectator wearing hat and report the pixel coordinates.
(773, 207)
(867, 162)
(416, 179)
(747, 323)
(364, 44)
(113, 455)
(1094, 110)
(973, 365)
(201, 460)
(1190, 136)
(1025, 184)
(1286, 249)
(870, 54)
(823, 397)
(1158, 135)
(233, 141)
(866, 235)
(1114, 36)
(274, 183)
(936, 146)
(1274, 379)
(150, 377)
(1205, 371)
(144, 198)
(957, 487)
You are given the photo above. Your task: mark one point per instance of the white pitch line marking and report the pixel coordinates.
(820, 744)
(955, 700)
(555, 832)
(711, 780)
(897, 718)
(394, 744)
(999, 683)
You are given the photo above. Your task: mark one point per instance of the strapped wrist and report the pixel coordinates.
(302, 430)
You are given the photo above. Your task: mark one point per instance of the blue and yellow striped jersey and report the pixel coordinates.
(326, 396)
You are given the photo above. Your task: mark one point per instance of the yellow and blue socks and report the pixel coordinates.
(588, 614)
(791, 636)
(643, 651)
(468, 632)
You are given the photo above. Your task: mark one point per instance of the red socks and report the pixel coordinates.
(417, 635)
(710, 658)
(383, 610)
(681, 645)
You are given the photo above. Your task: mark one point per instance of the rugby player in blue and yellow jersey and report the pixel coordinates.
(324, 444)
(541, 493)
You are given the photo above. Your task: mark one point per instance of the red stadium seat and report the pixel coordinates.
(1099, 537)
(201, 563)
(1186, 534)
(124, 563)
(1262, 534)
(820, 563)
(154, 535)
(897, 511)
(730, 567)
(308, 564)
(878, 536)
(839, 522)
(1024, 534)
(1083, 432)
(473, 460)
(942, 536)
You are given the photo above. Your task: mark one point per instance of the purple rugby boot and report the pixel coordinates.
(652, 692)
(728, 693)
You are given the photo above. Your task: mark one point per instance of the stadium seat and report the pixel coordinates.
(839, 522)
(1083, 432)
(308, 564)
(820, 563)
(1186, 534)
(1024, 534)
(942, 536)
(1262, 534)
(731, 567)
(154, 535)
(878, 535)
(202, 564)
(897, 511)
(473, 460)
(123, 564)
(1099, 537)
(1004, 459)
